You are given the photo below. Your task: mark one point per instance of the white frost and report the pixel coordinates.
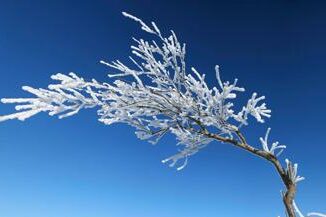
(273, 147)
(156, 97)
(292, 171)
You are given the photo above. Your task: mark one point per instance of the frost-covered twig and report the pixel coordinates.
(64, 99)
(156, 97)
(273, 147)
(312, 214)
(292, 171)
(257, 111)
(160, 95)
(316, 214)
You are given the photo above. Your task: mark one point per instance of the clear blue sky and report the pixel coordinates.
(79, 168)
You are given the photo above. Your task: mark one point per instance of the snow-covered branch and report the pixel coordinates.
(64, 99)
(157, 96)
(257, 111)
(292, 171)
(311, 214)
(316, 214)
(160, 95)
(273, 147)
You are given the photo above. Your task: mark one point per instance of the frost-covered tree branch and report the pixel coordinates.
(63, 99)
(158, 95)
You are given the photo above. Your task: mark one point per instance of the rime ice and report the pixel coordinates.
(159, 95)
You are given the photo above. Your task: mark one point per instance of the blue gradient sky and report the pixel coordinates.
(79, 168)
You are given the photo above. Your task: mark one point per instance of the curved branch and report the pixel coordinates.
(288, 196)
